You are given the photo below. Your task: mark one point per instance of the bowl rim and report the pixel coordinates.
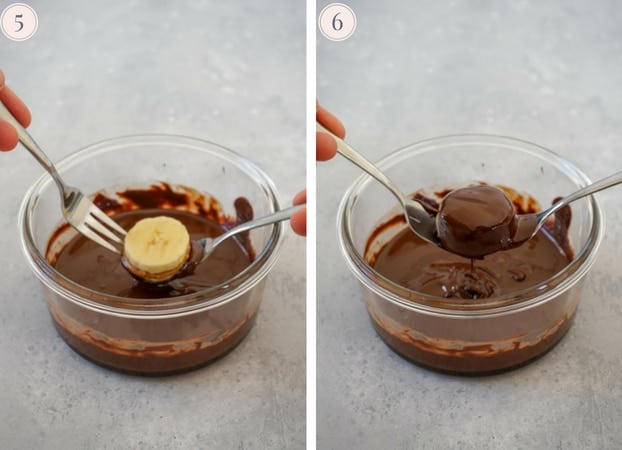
(438, 306)
(161, 307)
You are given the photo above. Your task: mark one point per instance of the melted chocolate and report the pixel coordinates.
(471, 358)
(458, 345)
(96, 268)
(411, 262)
(164, 196)
(166, 344)
(157, 358)
(476, 221)
(420, 266)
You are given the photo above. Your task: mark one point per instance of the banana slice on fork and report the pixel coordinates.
(156, 248)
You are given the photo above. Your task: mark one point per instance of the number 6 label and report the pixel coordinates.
(19, 21)
(337, 22)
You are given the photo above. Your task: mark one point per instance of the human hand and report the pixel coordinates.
(8, 134)
(326, 146)
(325, 149)
(298, 221)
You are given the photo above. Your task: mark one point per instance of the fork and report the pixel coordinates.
(78, 209)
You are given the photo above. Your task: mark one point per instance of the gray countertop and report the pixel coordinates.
(546, 72)
(229, 72)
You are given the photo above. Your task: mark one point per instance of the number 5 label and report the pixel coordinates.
(19, 21)
(337, 22)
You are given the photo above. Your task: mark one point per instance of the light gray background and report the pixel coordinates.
(548, 72)
(229, 72)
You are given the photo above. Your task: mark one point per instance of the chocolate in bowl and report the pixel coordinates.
(466, 335)
(165, 333)
(412, 262)
(94, 267)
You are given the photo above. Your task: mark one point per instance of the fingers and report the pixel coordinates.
(325, 146)
(329, 121)
(8, 136)
(15, 105)
(298, 221)
(300, 197)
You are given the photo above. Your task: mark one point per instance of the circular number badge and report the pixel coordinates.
(337, 22)
(19, 22)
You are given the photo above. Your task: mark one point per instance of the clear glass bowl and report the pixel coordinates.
(162, 335)
(470, 336)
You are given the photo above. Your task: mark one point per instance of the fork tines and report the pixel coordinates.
(99, 227)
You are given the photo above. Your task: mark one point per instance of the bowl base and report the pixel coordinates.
(458, 363)
(155, 365)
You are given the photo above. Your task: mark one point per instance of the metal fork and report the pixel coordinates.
(78, 210)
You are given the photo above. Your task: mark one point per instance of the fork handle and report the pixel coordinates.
(349, 153)
(593, 188)
(278, 216)
(29, 143)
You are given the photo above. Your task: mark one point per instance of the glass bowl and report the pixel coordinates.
(469, 336)
(156, 336)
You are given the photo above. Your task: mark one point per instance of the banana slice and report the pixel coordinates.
(156, 248)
